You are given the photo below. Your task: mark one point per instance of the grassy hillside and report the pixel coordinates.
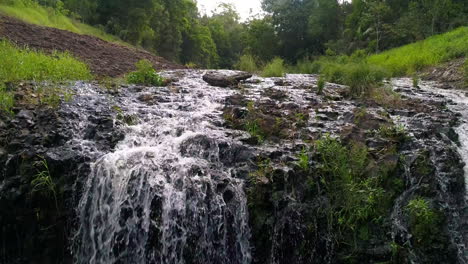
(33, 13)
(362, 72)
(430, 52)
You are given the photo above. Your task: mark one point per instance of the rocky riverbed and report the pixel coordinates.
(262, 170)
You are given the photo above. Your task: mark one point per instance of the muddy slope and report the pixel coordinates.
(104, 58)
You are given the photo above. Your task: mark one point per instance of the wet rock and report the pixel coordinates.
(225, 78)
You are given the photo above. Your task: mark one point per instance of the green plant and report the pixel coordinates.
(275, 68)
(254, 130)
(263, 172)
(320, 85)
(415, 81)
(145, 75)
(303, 157)
(42, 182)
(425, 222)
(6, 100)
(247, 63)
(25, 64)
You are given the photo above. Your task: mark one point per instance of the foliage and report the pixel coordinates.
(359, 76)
(320, 85)
(425, 222)
(247, 63)
(25, 64)
(42, 182)
(145, 75)
(275, 68)
(356, 199)
(303, 162)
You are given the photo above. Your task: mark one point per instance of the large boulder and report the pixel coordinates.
(225, 78)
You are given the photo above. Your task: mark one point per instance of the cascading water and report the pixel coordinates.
(164, 195)
(457, 102)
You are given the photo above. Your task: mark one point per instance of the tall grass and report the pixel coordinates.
(247, 63)
(414, 57)
(25, 64)
(275, 68)
(31, 12)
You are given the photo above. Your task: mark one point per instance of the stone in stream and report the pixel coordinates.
(225, 78)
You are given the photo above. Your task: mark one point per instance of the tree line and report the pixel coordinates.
(291, 29)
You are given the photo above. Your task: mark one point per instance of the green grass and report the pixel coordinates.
(364, 73)
(25, 64)
(33, 13)
(275, 68)
(432, 51)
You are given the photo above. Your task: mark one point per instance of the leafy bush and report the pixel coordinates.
(247, 63)
(425, 222)
(275, 68)
(145, 75)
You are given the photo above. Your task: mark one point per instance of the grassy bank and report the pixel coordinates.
(31, 12)
(362, 72)
(430, 52)
(24, 64)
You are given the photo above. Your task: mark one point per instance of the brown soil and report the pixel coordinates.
(104, 58)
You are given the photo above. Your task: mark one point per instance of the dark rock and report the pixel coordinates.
(225, 79)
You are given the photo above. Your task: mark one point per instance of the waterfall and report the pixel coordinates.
(165, 194)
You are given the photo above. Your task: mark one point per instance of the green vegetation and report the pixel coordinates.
(145, 75)
(247, 63)
(275, 68)
(56, 17)
(425, 221)
(432, 51)
(25, 64)
(291, 30)
(320, 85)
(42, 182)
(6, 99)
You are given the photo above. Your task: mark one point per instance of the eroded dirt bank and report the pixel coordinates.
(104, 58)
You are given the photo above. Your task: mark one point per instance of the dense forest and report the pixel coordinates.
(293, 29)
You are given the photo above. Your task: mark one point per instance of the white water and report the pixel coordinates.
(146, 202)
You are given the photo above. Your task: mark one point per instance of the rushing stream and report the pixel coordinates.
(168, 174)
(164, 195)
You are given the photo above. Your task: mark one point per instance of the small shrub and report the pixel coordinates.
(307, 66)
(145, 75)
(254, 130)
(247, 63)
(415, 81)
(303, 162)
(425, 222)
(320, 85)
(43, 182)
(275, 68)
